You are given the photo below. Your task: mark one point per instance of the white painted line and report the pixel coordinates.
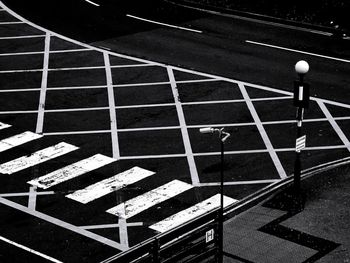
(110, 226)
(77, 132)
(18, 90)
(334, 124)
(150, 129)
(26, 194)
(111, 103)
(32, 198)
(21, 53)
(42, 99)
(71, 171)
(36, 158)
(29, 250)
(263, 133)
(269, 181)
(70, 50)
(191, 213)
(11, 23)
(93, 3)
(163, 24)
(145, 106)
(123, 232)
(20, 37)
(142, 202)
(297, 51)
(17, 140)
(184, 131)
(212, 102)
(63, 224)
(110, 185)
(4, 125)
(19, 112)
(152, 156)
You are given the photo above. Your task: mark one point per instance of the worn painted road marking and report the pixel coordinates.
(30, 250)
(17, 140)
(191, 213)
(71, 171)
(109, 185)
(4, 125)
(36, 158)
(142, 202)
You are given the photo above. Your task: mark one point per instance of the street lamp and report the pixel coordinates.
(223, 136)
(301, 101)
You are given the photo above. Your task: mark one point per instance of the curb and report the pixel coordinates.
(259, 196)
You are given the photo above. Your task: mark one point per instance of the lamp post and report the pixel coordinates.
(301, 101)
(223, 136)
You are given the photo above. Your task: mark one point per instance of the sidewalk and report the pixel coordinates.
(270, 233)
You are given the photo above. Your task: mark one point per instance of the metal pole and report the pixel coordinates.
(221, 244)
(297, 163)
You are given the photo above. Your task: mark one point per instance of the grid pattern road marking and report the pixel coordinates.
(30, 250)
(4, 126)
(263, 133)
(17, 140)
(334, 124)
(111, 225)
(20, 37)
(142, 202)
(185, 136)
(191, 213)
(63, 224)
(36, 158)
(71, 171)
(42, 99)
(110, 185)
(111, 102)
(32, 198)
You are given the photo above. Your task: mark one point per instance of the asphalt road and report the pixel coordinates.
(221, 48)
(158, 108)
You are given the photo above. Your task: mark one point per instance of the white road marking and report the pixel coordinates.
(191, 213)
(111, 103)
(297, 51)
(71, 171)
(93, 3)
(268, 181)
(36, 158)
(110, 225)
(29, 250)
(41, 108)
(4, 126)
(20, 37)
(263, 133)
(17, 140)
(11, 23)
(184, 131)
(142, 202)
(163, 24)
(63, 224)
(334, 124)
(26, 194)
(32, 198)
(110, 185)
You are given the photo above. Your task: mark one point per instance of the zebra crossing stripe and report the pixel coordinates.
(36, 158)
(71, 171)
(17, 140)
(4, 125)
(191, 213)
(142, 202)
(109, 185)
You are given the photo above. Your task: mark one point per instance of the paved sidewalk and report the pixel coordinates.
(270, 232)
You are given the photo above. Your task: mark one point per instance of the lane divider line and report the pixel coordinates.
(297, 51)
(163, 24)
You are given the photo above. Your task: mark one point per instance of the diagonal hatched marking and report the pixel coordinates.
(41, 108)
(262, 132)
(334, 124)
(185, 136)
(112, 112)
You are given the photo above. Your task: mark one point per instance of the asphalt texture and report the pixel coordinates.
(146, 114)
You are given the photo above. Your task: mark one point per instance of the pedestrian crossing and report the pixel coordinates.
(17, 140)
(125, 210)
